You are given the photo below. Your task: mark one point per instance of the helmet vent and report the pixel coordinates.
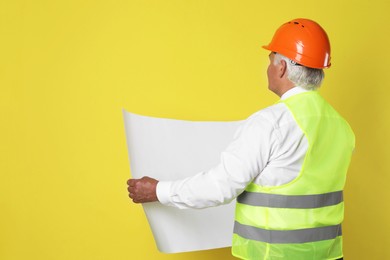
(299, 24)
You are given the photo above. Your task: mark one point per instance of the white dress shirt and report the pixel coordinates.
(268, 149)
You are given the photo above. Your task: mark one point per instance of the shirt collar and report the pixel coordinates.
(292, 92)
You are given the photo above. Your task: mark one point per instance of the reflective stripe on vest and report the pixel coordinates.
(287, 236)
(291, 202)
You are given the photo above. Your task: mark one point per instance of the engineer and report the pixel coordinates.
(287, 165)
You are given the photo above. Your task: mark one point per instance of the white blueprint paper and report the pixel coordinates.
(168, 149)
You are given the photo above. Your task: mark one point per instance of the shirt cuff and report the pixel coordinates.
(163, 192)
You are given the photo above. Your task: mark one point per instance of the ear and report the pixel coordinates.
(282, 69)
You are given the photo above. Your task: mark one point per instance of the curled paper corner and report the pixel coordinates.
(171, 149)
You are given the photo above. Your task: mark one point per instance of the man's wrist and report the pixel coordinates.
(163, 189)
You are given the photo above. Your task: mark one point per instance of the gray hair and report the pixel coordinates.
(307, 78)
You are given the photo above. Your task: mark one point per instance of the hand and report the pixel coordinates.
(142, 190)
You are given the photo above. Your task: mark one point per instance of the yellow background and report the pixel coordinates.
(67, 68)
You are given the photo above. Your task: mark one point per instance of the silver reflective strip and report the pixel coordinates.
(291, 202)
(287, 236)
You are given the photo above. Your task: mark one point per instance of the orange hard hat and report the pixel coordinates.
(303, 41)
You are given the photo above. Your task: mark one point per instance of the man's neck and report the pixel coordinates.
(293, 91)
(280, 92)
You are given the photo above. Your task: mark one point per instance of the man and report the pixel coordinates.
(287, 165)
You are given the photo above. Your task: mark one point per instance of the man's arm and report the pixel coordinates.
(142, 190)
(240, 163)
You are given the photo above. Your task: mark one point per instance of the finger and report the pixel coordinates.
(131, 182)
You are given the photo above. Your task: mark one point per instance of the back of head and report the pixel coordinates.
(305, 77)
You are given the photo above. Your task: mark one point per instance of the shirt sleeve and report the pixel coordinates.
(240, 163)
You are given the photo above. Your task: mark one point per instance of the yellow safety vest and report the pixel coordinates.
(302, 219)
